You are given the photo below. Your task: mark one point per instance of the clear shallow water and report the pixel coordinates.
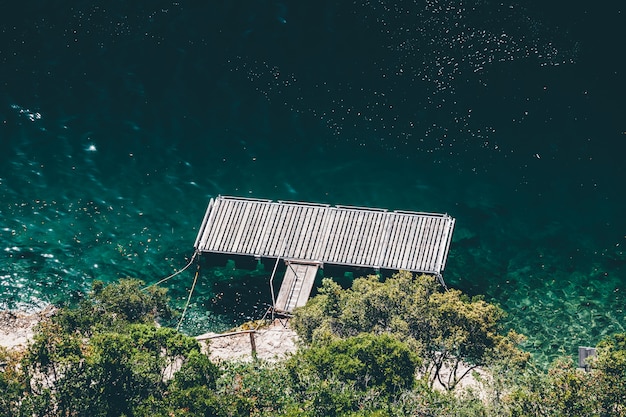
(119, 123)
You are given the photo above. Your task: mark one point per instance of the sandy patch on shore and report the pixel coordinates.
(272, 343)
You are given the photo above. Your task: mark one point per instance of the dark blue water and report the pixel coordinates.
(119, 121)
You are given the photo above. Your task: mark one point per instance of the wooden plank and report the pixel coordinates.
(364, 237)
(325, 231)
(375, 239)
(362, 222)
(355, 237)
(411, 231)
(258, 226)
(450, 230)
(415, 228)
(435, 239)
(252, 226)
(313, 232)
(203, 225)
(296, 234)
(437, 243)
(262, 248)
(221, 225)
(349, 238)
(233, 226)
(359, 226)
(307, 284)
(207, 230)
(292, 229)
(246, 236)
(391, 243)
(422, 244)
(230, 216)
(306, 223)
(333, 225)
(345, 242)
(272, 235)
(242, 228)
(415, 244)
(215, 221)
(426, 245)
(370, 235)
(282, 229)
(337, 227)
(384, 240)
(400, 242)
(432, 257)
(442, 244)
(402, 232)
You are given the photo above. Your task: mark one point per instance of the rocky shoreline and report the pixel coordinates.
(273, 342)
(17, 328)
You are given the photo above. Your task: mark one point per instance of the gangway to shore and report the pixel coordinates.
(296, 287)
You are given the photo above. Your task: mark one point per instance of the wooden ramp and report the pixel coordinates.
(296, 287)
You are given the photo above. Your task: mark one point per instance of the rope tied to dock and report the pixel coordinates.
(193, 286)
(193, 257)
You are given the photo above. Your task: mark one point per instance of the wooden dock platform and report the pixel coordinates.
(339, 235)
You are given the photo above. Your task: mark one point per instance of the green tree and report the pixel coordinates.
(609, 369)
(367, 361)
(128, 300)
(12, 383)
(450, 331)
(106, 357)
(567, 391)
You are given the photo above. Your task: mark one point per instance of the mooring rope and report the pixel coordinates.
(175, 273)
(195, 279)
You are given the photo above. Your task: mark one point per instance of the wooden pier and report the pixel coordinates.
(306, 234)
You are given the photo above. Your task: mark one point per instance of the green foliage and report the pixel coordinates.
(110, 373)
(610, 371)
(12, 386)
(127, 301)
(567, 391)
(449, 330)
(115, 306)
(367, 361)
(256, 388)
(424, 401)
(561, 392)
(197, 371)
(107, 356)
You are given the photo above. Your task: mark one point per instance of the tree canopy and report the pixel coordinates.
(449, 330)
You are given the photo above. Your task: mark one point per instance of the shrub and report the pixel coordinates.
(366, 361)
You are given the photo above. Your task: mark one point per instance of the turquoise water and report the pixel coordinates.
(118, 123)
